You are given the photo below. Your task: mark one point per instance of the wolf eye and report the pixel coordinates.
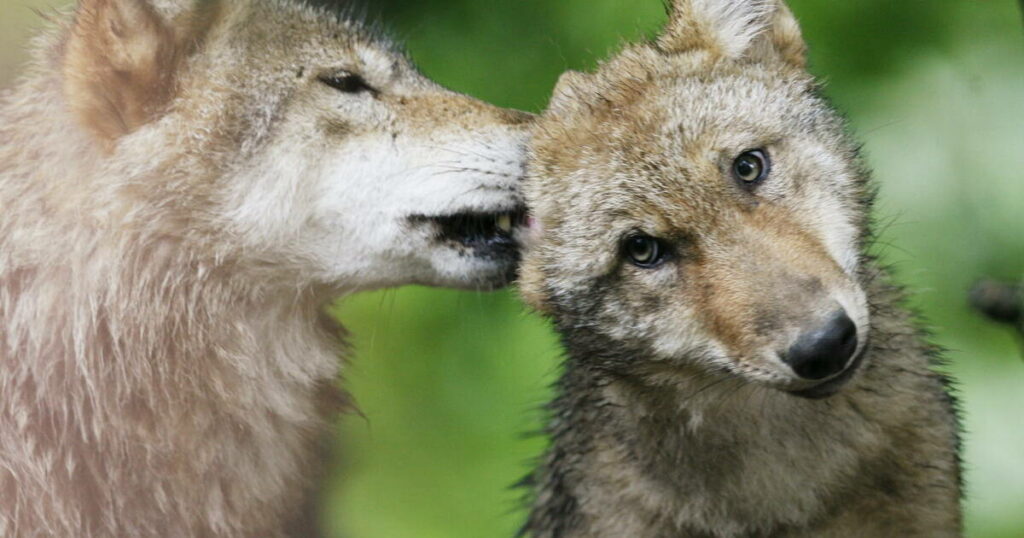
(348, 83)
(751, 167)
(644, 251)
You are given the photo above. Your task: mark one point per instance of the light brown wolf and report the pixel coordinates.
(737, 365)
(183, 186)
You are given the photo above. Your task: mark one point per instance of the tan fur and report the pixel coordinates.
(676, 414)
(179, 198)
(119, 60)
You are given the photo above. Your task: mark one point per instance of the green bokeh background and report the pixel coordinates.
(449, 382)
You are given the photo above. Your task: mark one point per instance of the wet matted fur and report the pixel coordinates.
(679, 413)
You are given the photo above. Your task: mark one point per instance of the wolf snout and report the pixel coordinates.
(824, 350)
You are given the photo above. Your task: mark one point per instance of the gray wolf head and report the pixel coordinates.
(699, 208)
(292, 140)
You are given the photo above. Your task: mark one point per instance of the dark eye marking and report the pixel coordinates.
(751, 168)
(347, 82)
(644, 251)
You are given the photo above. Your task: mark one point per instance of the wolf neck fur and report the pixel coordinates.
(133, 352)
(135, 311)
(148, 331)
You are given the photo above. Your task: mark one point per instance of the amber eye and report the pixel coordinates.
(751, 167)
(644, 250)
(348, 83)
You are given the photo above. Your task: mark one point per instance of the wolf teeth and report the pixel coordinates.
(504, 222)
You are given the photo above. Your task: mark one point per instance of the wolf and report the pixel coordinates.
(738, 364)
(183, 187)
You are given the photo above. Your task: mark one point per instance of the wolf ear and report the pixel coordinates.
(568, 92)
(119, 63)
(756, 29)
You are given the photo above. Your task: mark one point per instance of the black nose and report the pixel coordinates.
(825, 350)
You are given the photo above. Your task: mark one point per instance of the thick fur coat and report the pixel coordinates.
(183, 187)
(700, 214)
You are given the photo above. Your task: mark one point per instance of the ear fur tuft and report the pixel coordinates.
(787, 38)
(728, 27)
(119, 64)
(567, 92)
(734, 29)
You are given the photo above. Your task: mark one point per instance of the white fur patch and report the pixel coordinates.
(349, 215)
(728, 26)
(735, 24)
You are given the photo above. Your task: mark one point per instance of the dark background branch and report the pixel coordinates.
(1000, 301)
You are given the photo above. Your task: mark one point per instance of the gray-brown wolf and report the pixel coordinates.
(737, 366)
(183, 186)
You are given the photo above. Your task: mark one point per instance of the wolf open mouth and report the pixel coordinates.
(485, 233)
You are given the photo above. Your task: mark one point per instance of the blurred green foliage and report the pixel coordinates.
(449, 382)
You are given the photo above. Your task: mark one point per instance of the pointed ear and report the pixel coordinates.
(568, 92)
(782, 38)
(757, 29)
(119, 65)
